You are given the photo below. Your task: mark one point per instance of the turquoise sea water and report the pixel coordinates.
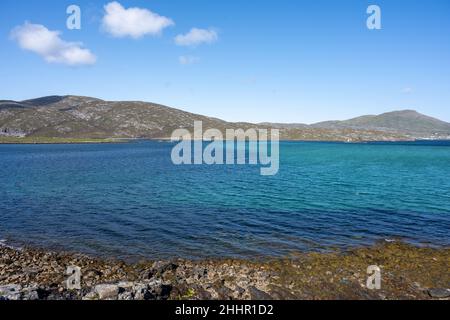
(130, 201)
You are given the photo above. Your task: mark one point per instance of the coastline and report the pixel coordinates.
(49, 141)
(407, 272)
(56, 140)
(44, 140)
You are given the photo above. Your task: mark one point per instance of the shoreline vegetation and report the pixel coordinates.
(56, 140)
(49, 140)
(407, 272)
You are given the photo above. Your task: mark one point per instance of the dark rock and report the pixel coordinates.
(165, 292)
(240, 291)
(279, 293)
(92, 273)
(159, 293)
(224, 293)
(43, 293)
(202, 294)
(179, 290)
(160, 268)
(257, 294)
(149, 296)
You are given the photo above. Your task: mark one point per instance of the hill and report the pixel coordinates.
(407, 121)
(75, 117)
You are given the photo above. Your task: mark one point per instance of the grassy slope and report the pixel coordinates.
(46, 140)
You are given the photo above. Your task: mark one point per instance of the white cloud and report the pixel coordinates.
(132, 22)
(196, 36)
(48, 44)
(185, 60)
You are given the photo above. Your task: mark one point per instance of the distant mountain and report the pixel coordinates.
(407, 121)
(85, 117)
(284, 125)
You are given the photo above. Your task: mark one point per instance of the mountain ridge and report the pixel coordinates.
(87, 117)
(407, 120)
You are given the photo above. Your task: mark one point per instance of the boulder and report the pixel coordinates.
(439, 293)
(257, 294)
(10, 292)
(107, 291)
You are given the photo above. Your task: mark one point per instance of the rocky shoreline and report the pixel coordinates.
(407, 272)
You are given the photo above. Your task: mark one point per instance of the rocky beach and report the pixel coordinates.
(407, 272)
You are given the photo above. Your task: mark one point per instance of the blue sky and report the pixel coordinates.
(278, 61)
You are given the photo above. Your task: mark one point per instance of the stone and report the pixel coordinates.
(30, 293)
(126, 285)
(417, 286)
(163, 292)
(158, 292)
(93, 273)
(224, 293)
(159, 268)
(202, 294)
(91, 296)
(126, 295)
(140, 290)
(280, 293)
(107, 291)
(439, 293)
(10, 292)
(257, 294)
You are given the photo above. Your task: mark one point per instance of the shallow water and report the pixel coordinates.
(130, 201)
